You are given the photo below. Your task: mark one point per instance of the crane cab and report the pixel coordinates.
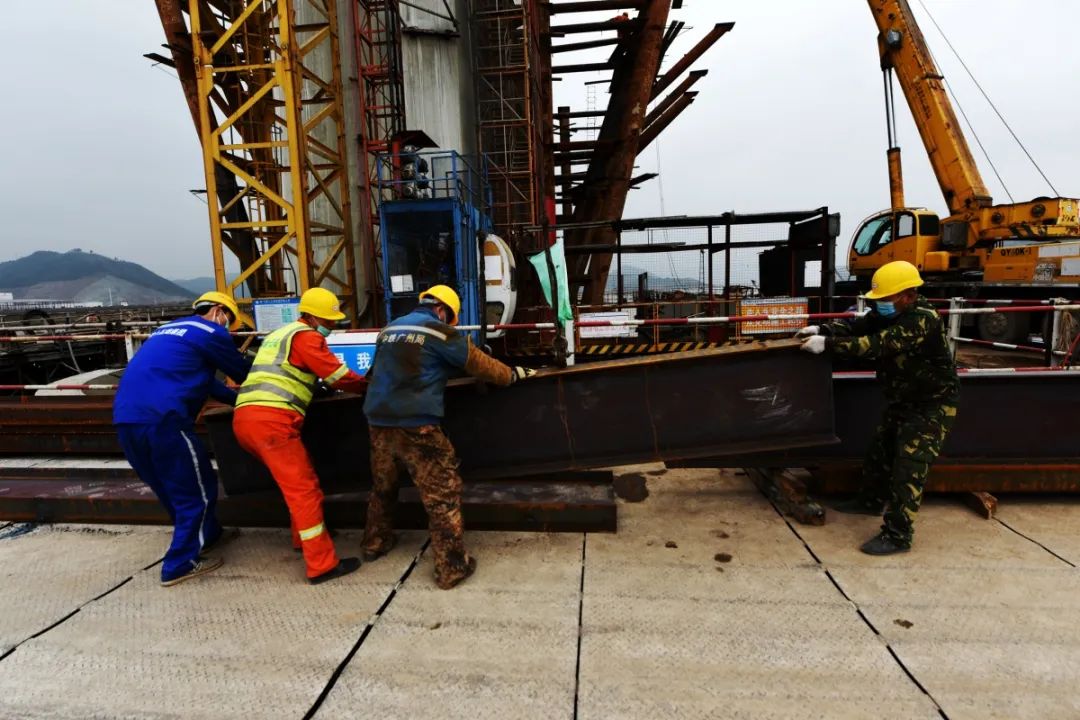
(912, 234)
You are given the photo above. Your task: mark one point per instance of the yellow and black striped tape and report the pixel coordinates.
(629, 349)
(643, 348)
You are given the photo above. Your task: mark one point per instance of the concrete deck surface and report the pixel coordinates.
(706, 604)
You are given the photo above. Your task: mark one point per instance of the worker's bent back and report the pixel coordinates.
(416, 355)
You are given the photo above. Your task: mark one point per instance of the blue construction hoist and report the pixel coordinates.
(430, 220)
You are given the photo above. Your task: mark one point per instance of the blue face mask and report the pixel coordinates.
(324, 331)
(885, 309)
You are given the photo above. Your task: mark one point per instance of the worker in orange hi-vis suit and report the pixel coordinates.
(270, 413)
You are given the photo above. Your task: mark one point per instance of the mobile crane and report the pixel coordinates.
(1022, 248)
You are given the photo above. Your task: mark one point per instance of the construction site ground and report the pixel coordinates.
(706, 603)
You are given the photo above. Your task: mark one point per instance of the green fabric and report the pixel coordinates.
(558, 258)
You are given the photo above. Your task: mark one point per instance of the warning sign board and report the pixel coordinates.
(773, 306)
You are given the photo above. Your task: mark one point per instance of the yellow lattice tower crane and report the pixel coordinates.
(266, 92)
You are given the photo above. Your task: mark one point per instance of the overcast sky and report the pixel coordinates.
(792, 116)
(100, 152)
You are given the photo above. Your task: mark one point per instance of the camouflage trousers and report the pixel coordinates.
(427, 455)
(907, 441)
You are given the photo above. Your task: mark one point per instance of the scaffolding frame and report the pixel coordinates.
(510, 109)
(377, 37)
(270, 114)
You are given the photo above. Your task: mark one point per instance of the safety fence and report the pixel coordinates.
(847, 373)
(974, 301)
(623, 322)
(1006, 346)
(1060, 337)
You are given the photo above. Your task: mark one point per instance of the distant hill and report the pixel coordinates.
(197, 285)
(78, 276)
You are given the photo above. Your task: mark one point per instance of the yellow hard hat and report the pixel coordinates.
(219, 298)
(321, 303)
(892, 278)
(447, 297)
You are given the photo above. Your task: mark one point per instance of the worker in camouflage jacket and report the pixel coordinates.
(415, 356)
(906, 338)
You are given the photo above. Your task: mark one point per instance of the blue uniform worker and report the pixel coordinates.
(160, 396)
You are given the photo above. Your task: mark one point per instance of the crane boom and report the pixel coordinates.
(904, 50)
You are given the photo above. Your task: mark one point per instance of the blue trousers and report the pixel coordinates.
(174, 463)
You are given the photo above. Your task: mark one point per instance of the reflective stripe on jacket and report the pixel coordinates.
(172, 374)
(274, 381)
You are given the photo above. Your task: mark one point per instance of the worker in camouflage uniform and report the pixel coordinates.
(415, 356)
(906, 338)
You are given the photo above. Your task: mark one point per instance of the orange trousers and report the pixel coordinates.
(273, 436)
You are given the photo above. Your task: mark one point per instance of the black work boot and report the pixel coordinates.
(882, 544)
(859, 506)
(344, 567)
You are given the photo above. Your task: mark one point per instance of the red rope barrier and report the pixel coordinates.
(717, 320)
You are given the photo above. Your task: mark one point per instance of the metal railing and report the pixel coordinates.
(1052, 347)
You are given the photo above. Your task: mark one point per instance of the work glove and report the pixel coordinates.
(520, 373)
(322, 389)
(808, 331)
(814, 344)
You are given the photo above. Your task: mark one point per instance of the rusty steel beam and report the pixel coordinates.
(670, 36)
(586, 45)
(696, 404)
(984, 451)
(788, 491)
(669, 78)
(579, 157)
(565, 146)
(580, 68)
(607, 183)
(178, 40)
(983, 503)
(605, 25)
(1008, 475)
(563, 178)
(584, 114)
(547, 506)
(674, 95)
(636, 180)
(59, 425)
(650, 133)
(642, 178)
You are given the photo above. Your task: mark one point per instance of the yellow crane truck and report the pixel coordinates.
(1023, 250)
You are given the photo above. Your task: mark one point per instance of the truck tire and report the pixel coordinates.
(1010, 328)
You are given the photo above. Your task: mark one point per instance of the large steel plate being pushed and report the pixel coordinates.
(741, 399)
